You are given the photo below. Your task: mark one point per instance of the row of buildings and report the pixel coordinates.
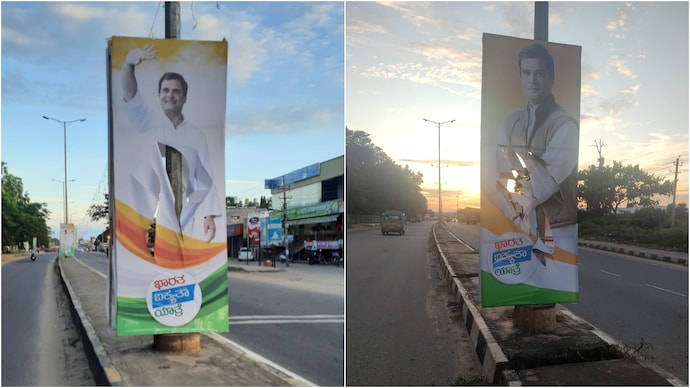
(310, 204)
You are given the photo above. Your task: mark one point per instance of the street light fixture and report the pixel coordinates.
(64, 134)
(440, 206)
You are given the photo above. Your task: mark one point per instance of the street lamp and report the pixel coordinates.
(64, 134)
(440, 207)
(64, 195)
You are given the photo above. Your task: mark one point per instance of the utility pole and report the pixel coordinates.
(538, 317)
(284, 223)
(675, 184)
(173, 158)
(541, 20)
(186, 342)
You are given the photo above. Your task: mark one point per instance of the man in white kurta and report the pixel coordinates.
(152, 131)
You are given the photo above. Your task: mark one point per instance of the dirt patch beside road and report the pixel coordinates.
(441, 304)
(10, 257)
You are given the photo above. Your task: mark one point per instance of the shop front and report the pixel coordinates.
(315, 227)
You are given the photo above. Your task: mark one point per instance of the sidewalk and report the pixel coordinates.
(575, 354)
(131, 361)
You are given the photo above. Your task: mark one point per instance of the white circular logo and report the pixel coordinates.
(173, 299)
(511, 258)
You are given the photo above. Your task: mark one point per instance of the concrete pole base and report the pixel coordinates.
(177, 343)
(539, 317)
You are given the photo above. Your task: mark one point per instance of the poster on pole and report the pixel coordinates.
(254, 229)
(529, 151)
(167, 101)
(68, 239)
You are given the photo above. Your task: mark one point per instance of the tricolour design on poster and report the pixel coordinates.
(529, 150)
(169, 250)
(68, 239)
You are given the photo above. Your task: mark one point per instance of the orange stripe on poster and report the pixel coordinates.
(497, 223)
(171, 249)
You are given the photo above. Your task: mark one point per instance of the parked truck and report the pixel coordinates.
(393, 221)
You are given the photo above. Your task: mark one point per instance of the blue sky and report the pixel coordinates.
(285, 93)
(411, 60)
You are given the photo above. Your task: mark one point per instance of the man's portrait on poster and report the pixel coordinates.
(152, 130)
(536, 157)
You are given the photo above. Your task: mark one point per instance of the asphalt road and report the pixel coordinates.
(638, 302)
(392, 339)
(294, 319)
(39, 344)
(634, 300)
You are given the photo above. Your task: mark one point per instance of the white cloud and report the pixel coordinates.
(618, 27)
(621, 66)
(13, 37)
(78, 12)
(623, 100)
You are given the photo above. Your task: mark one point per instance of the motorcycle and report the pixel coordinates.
(317, 257)
(33, 256)
(338, 260)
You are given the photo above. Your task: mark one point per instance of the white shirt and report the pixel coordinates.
(151, 131)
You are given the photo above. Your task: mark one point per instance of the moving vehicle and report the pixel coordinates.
(393, 221)
(472, 216)
(245, 254)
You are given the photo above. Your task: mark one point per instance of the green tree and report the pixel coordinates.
(595, 191)
(22, 220)
(99, 211)
(375, 183)
(265, 203)
(604, 189)
(231, 202)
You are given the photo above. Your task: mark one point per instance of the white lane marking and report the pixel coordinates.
(663, 289)
(461, 242)
(261, 358)
(91, 268)
(272, 319)
(611, 273)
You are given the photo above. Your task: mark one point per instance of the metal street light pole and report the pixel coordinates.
(64, 134)
(440, 206)
(64, 195)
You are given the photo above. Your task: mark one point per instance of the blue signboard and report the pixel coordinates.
(275, 230)
(295, 176)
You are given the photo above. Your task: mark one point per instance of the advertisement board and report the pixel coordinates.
(254, 228)
(529, 150)
(274, 230)
(167, 101)
(68, 239)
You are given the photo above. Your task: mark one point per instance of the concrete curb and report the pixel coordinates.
(641, 252)
(99, 362)
(253, 268)
(494, 361)
(622, 348)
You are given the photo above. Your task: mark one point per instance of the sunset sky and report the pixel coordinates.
(411, 60)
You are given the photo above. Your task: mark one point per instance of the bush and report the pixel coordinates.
(650, 218)
(647, 227)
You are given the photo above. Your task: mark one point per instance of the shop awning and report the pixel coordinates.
(313, 220)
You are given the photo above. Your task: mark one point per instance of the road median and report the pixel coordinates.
(576, 353)
(132, 361)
